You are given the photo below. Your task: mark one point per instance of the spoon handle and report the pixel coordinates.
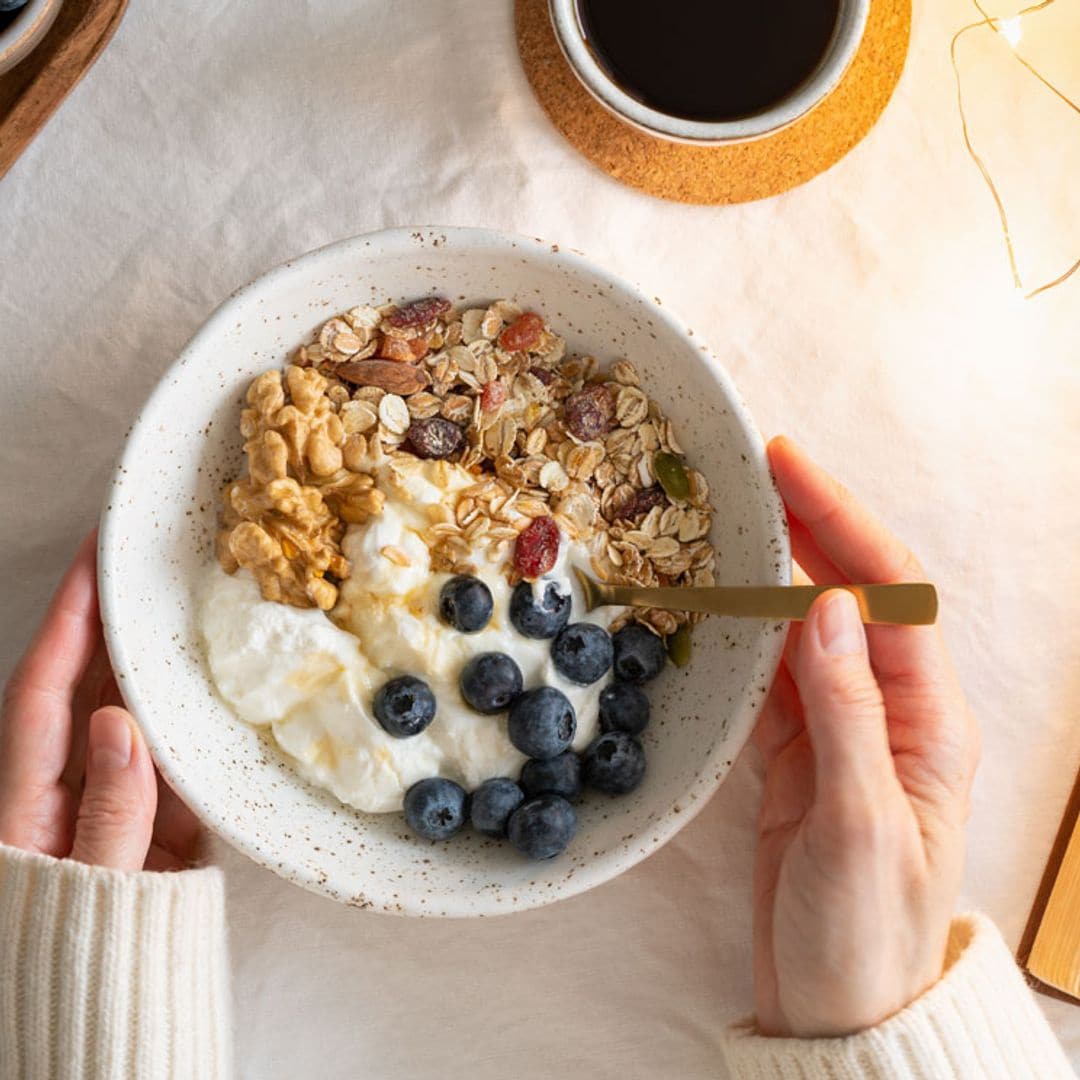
(912, 604)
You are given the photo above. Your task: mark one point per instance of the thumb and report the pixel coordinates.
(116, 815)
(842, 703)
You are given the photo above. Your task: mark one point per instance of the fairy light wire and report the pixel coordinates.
(1011, 30)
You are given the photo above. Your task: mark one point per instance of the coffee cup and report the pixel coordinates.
(617, 50)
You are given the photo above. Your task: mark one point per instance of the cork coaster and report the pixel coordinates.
(719, 174)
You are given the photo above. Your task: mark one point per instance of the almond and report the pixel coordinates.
(393, 376)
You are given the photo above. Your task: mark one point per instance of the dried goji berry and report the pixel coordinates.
(391, 348)
(419, 312)
(537, 548)
(494, 394)
(523, 334)
(590, 411)
(435, 437)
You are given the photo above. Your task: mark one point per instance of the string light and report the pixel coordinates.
(1012, 30)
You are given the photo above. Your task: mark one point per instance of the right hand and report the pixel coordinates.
(870, 750)
(76, 778)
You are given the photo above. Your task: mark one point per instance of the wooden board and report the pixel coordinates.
(1049, 950)
(33, 90)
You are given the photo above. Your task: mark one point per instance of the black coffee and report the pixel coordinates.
(708, 59)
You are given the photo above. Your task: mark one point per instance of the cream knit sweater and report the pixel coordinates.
(111, 975)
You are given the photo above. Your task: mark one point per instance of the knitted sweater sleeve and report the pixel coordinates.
(109, 974)
(116, 975)
(979, 1020)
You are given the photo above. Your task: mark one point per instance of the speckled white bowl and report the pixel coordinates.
(159, 522)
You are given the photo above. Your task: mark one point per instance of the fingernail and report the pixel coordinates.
(110, 741)
(840, 628)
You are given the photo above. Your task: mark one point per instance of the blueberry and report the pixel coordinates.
(542, 722)
(614, 763)
(435, 808)
(490, 681)
(465, 603)
(404, 706)
(540, 616)
(582, 652)
(556, 776)
(491, 805)
(623, 707)
(11, 5)
(541, 828)
(639, 654)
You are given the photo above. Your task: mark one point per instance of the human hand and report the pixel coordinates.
(76, 778)
(870, 750)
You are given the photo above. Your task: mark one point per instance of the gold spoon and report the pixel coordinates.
(913, 604)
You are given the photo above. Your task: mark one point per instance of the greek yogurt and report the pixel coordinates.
(311, 678)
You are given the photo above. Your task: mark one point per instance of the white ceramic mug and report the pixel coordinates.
(850, 26)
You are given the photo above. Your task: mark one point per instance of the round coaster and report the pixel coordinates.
(719, 174)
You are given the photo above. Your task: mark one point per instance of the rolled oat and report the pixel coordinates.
(546, 432)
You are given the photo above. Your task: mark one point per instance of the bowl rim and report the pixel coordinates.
(24, 33)
(797, 103)
(769, 647)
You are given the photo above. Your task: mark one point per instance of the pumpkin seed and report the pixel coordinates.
(672, 475)
(680, 647)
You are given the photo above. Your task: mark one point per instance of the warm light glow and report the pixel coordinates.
(1012, 32)
(1010, 29)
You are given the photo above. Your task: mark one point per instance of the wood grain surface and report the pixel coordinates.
(33, 90)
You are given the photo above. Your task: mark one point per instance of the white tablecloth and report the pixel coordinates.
(870, 314)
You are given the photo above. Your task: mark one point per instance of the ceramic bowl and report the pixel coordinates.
(24, 33)
(839, 53)
(160, 519)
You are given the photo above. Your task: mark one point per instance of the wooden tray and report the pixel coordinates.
(33, 90)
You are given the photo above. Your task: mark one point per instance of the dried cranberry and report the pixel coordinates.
(435, 437)
(545, 375)
(589, 412)
(419, 312)
(641, 502)
(523, 334)
(493, 396)
(537, 548)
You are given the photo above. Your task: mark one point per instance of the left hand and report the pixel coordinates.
(76, 778)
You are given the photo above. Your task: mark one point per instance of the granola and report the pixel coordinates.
(545, 432)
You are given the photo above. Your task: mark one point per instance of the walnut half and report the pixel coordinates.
(284, 520)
